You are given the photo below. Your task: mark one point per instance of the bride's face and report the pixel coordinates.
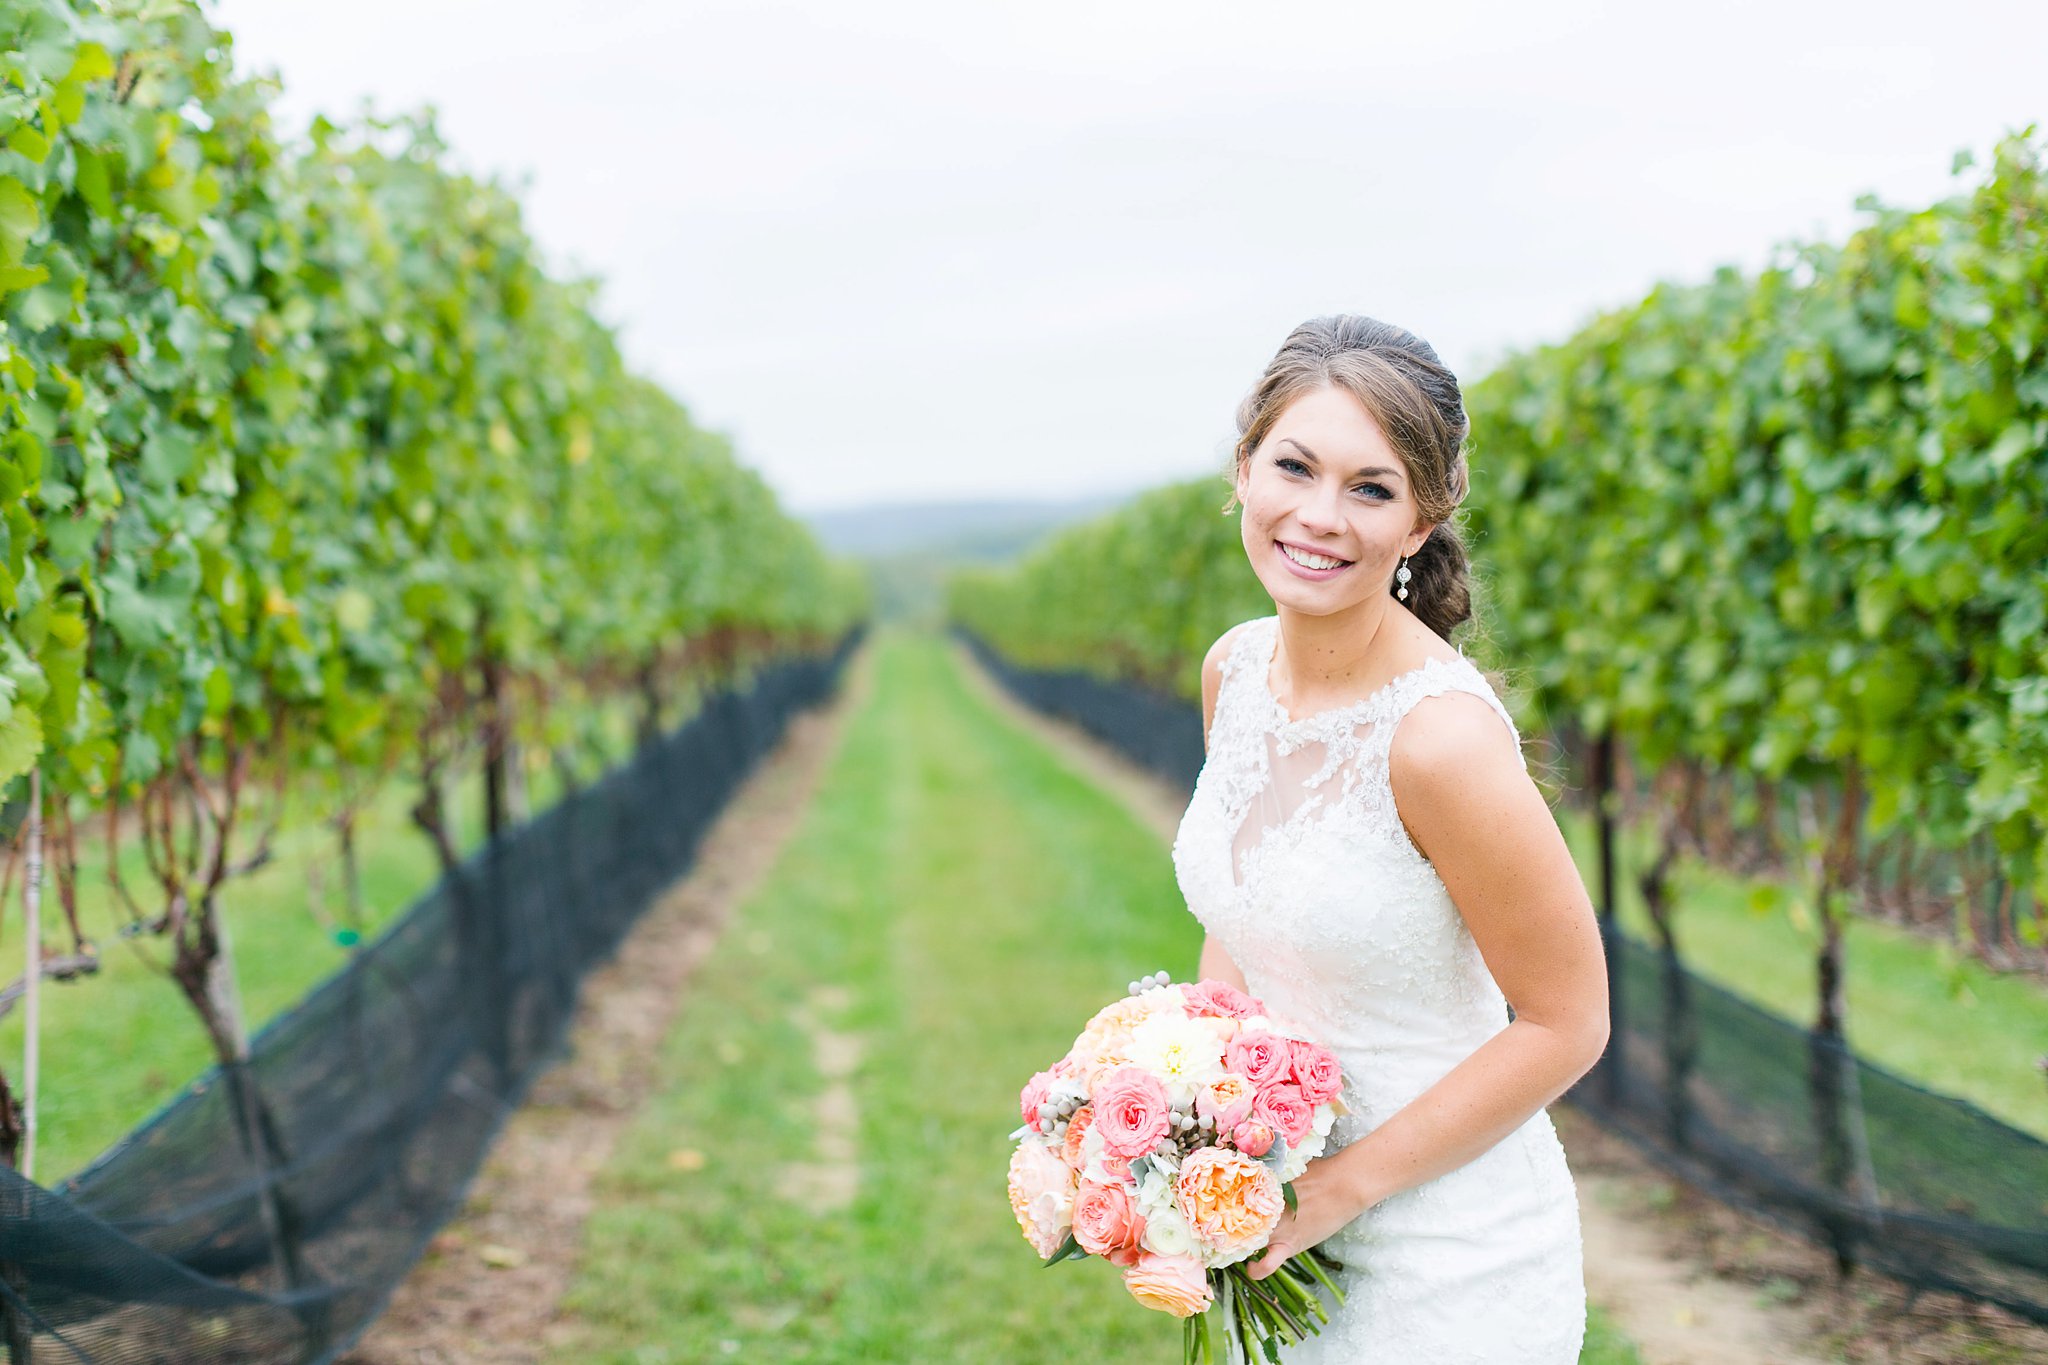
(1326, 482)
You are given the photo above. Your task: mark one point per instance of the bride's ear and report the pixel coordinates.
(1414, 547)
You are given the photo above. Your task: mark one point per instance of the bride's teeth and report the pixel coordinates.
(1308, 561)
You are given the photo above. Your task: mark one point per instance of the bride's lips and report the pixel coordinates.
(1302, 571)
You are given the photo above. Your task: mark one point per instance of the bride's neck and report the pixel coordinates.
(1331, 660)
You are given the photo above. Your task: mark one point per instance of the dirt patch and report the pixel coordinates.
(829, 1181)
(1868, 1318)
(486, 1291)
(1690, 1280)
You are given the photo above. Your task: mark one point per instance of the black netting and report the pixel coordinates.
(376, 1097)
(1163, 733)
(1761, 1112)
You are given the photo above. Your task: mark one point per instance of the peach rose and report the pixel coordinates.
(1172, 1284)
(1260, 1057)
(1286, 1110)
(1231, 1201)
(1107, 1223)
(1131, 1111)
(1227, 1099)
(1042, 1196)
(1315, 1070)
(1119, 1017)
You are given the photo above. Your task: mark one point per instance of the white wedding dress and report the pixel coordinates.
(1293, 858)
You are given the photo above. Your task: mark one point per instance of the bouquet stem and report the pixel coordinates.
(1260, 1316)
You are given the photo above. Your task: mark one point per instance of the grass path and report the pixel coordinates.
(954, 902)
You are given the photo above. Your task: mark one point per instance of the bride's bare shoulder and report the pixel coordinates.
(1212, 662)
(1212, 672)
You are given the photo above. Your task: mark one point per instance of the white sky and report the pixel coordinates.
(931, 251)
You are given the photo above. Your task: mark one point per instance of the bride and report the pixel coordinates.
(1366, 852)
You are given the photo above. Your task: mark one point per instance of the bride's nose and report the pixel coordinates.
(1320, 514)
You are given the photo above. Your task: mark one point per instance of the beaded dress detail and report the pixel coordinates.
(1292, 855)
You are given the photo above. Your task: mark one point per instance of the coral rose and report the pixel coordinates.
(1260, 1057)
(1108, 1224)
(1221, 999)
(1172, 1284)
(1284, 1107)
(1042, 1196)
(1315, 1070)
(1131, 1112)
(1077, 1132)
(1231, 1201)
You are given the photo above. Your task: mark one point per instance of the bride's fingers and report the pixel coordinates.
(1269, 1261)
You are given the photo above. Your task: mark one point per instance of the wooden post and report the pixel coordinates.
(32, 1020)
(1613, 1079)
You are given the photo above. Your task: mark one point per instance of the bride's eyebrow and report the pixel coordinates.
(1371, 471)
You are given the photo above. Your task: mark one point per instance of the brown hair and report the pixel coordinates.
(1398, 378)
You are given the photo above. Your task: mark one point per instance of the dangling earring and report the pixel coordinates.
(1402, 576)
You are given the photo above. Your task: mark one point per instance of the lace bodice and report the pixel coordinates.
(1292, 855)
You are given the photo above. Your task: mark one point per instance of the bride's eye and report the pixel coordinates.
(1284, 462)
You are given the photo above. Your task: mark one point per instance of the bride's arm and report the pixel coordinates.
(1471, 807)
(1217, 966)
(1215, 963)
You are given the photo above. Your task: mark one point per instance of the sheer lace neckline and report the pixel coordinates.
(1355, 710)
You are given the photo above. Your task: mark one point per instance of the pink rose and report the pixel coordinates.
(1252, 1137)
(1316, 1071)
(1033, 1095)
(1260, 1057)
(1131, 1111)
(1221, 999)
(1107, 1223)
(1172, 1284)
(1285, 1109)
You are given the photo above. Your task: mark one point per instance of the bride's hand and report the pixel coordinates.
(1324, 1202)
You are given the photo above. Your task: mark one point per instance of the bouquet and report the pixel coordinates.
(1165, 1142)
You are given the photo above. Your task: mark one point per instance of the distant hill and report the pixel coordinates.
(911, 547)
(973, 532)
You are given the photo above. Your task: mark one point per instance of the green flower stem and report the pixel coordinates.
(1290, 1330)
(1315, 1261)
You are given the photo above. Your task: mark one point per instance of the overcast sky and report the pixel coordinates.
(931, 251)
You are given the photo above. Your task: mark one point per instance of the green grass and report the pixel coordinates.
(1915, 1006)
(975, 900)
(119, 1044)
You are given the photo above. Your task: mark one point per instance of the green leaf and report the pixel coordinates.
(91, 182)
(30, 142)
(15, 277)
(20, 216)
(21, 739)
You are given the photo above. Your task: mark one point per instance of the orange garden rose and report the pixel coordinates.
(1231, 1201)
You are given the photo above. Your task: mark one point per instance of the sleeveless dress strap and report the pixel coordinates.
(1460, 676)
